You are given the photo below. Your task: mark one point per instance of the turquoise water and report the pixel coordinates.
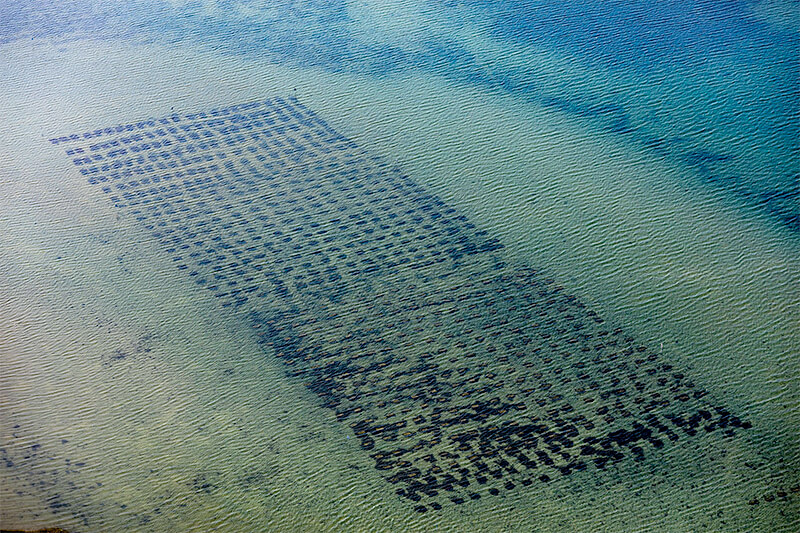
(382, 266)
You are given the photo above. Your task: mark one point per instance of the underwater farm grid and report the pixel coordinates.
(463, 376)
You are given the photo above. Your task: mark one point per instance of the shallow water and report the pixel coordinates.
(516, 267)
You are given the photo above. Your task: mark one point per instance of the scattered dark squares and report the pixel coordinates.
(451, 367)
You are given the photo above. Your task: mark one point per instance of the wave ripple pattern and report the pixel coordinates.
(461, 375)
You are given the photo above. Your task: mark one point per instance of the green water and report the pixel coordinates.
(132, 397)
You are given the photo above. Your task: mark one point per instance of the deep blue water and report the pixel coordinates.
(635, 38)
(631, 34)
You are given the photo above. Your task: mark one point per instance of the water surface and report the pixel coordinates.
(534, 166)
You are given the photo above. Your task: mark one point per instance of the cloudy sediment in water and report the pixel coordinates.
(378, 266)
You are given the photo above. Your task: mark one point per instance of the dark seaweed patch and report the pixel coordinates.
(456, 372)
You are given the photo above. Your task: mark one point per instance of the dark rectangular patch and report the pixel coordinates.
(462, 376)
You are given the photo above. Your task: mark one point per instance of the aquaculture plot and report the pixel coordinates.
(461, 376)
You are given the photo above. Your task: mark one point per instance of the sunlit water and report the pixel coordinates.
(642, 161)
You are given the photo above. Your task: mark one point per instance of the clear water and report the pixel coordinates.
(632, 160)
